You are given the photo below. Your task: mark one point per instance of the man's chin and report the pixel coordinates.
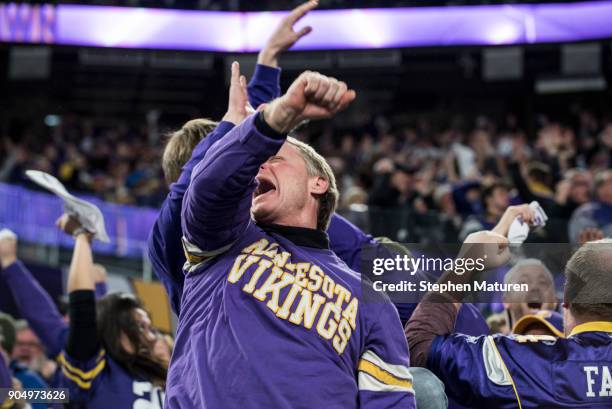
(261, 214)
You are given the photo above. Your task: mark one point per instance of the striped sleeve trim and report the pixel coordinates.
(195, 256)
(83, 379)
(378, 376)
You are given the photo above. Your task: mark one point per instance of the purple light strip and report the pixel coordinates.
(333, 29)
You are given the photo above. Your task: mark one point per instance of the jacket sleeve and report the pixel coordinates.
(383, 375)
(37, 307)
(83, 361)
(216, 207)
(164, 244)
(264, 85)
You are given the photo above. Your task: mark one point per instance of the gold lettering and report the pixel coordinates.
(285, 308)
(263, 266)
(239, 267)
(307, 309)
(342, 337)
(271, 251)
(343, 294)
(273, 286)
(328, 286)
(325, 319)
(316, 277)
(257, 247)
(281, 259)
(300, 274)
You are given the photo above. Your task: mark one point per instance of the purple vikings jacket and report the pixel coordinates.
(527, 371)
(270, 316)
(346, 239)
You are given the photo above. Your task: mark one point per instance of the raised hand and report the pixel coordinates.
(284, 37)
(71, 226)
(238, 105)
(489, 246)
(523, 211)
(311, 96)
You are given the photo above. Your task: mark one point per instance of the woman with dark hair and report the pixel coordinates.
(110, 360)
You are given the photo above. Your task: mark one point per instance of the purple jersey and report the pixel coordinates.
(527, 371)
(346, 239)
(100, 383)
(269, 321)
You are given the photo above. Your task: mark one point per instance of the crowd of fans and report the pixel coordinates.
(416, 182)
(444, 183)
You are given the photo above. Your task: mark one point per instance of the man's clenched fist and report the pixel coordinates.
(311, 96)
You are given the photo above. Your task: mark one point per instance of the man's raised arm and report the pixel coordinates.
(216, 208)
(33, 301)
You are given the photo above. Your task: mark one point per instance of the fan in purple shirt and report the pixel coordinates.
(524, 371)
(270, 317)
(346, 240)
(187, 146)
(110, 359)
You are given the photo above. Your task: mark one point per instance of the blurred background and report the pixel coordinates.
(448, 130)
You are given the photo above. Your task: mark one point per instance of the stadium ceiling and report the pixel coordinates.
(124, 27)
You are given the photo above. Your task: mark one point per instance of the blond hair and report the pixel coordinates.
(316, 165)
(180, 145)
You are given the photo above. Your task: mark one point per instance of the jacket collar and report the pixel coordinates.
(593, 326)
(300, 236)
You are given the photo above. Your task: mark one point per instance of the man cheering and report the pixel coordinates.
(270, 317)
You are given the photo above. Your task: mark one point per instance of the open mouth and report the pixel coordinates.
(264, 186)
(534, 305)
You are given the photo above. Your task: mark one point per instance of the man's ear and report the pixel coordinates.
(318, 185)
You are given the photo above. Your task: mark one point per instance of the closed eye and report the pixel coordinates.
(276, 158)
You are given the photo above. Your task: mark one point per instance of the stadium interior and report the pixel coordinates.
(440, 141)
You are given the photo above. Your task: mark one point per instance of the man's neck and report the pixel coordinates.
(300, 236)
(307, 219)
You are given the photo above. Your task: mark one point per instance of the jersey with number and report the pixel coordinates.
(100, 383)
(528, 371)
